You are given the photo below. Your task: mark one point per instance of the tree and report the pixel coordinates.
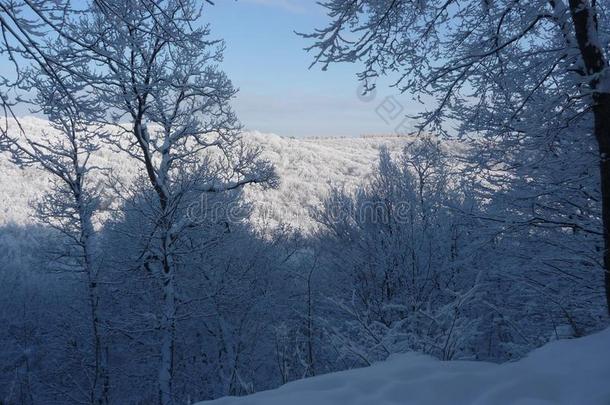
(155, 67)
(71, 204)
(512, 73)
(403, 262)
(29, 29)
(23, 26)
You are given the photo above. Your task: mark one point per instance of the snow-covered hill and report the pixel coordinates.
(565, 372)
(307, 168)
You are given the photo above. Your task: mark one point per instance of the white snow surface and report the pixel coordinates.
(564, 372)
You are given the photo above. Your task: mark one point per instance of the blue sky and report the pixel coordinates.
(278, 92)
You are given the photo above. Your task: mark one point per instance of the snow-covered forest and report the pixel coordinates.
(154, 251)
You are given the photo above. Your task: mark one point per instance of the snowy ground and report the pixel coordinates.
(566, 372)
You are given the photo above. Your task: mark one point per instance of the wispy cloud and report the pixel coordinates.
(292, 6)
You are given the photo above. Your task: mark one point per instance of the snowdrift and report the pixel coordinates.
(570, 372)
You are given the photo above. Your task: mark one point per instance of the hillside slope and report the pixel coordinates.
(307, 168)
(565, 372)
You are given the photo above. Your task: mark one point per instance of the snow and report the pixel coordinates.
(564, 372)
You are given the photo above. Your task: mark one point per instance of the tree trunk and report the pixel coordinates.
(100, 384)
(584, 18)
(310, 372)
(168, 329)
(99, 392)
(601, 110)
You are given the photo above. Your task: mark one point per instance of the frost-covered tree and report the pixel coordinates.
(232, 286)
(30, 29)
(154, 69)
(512, 73)
(24, 25)
(545, 214)
(70, 206)
(404, 263)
